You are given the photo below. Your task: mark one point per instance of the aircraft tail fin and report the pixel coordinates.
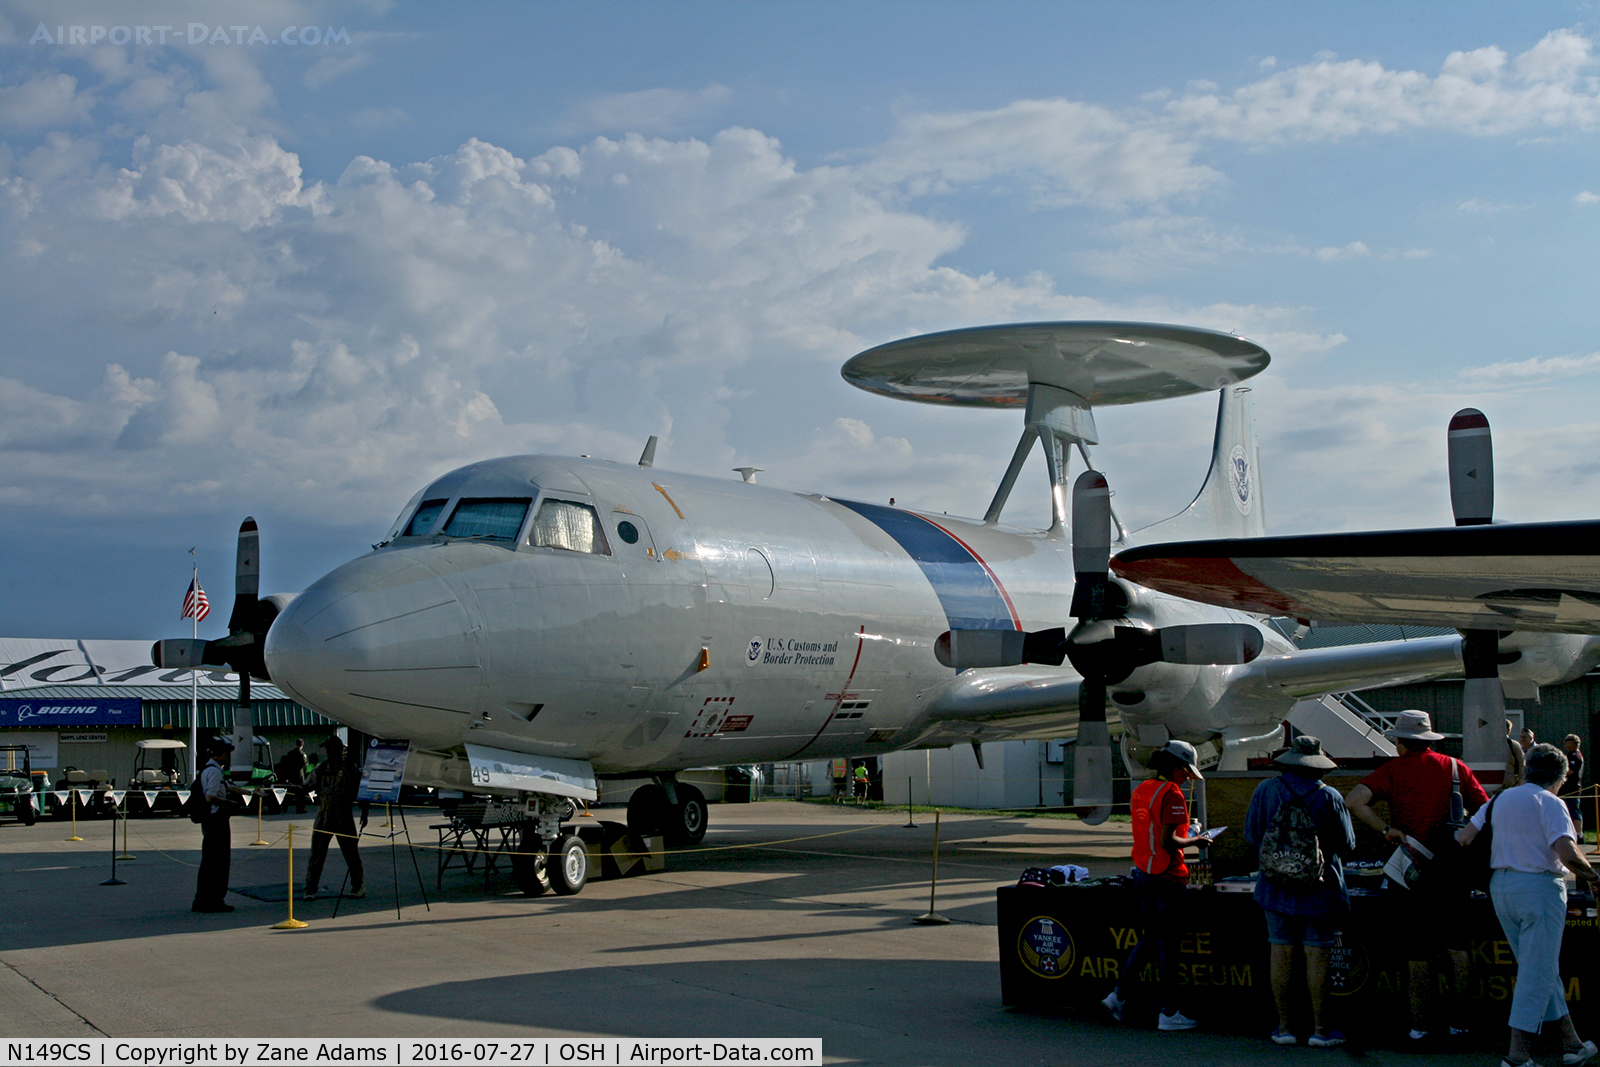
(1229, 503)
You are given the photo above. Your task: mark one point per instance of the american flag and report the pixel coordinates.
(195, 604)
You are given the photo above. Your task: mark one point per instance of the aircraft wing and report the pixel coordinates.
(1313, 671)
(1529, 576)
(1035, 703)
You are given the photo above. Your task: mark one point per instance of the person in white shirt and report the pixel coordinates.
(1533, 847)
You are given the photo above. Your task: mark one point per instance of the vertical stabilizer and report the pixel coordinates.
(1229, 503)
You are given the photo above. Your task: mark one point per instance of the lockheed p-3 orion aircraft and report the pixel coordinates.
(532, 624)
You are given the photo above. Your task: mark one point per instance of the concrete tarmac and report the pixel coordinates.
(794, 920)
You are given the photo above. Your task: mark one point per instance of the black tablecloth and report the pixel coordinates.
(1063, 946)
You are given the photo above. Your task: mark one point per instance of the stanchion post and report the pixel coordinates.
(113, 880)
(261, 805)
(127, 799)
(72, 803)
(933, 918)
(1595, 796)
(387, 819)
(291, 923)
(911, 816)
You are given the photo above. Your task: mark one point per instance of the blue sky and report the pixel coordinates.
(298, 281)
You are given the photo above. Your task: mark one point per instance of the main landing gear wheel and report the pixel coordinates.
(647, 811)
(530, 867)
(569, 865)
(689, 818)
(682, 824)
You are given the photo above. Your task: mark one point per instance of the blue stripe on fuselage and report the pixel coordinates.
(966, 591)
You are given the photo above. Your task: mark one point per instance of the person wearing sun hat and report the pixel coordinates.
(1417, 786)
(1303, 915)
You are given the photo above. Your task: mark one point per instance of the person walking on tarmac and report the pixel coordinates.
(863, 780)
(216, 844)
(1161, 831)
(337, 781)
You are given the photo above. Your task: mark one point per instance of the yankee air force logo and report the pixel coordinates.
(1239, 478)
(1045, 947)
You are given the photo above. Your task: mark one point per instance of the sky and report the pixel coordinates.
(294, 260)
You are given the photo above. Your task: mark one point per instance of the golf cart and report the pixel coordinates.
(17, 798)
(160, 774)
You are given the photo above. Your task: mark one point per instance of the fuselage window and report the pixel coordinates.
(570, 526)
(628, 532)
(489, 518)
(421, 524)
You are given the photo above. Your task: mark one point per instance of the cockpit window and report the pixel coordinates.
(574, 527)
(488, 518)
(421, 524)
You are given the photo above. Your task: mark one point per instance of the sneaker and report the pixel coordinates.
(1176, 1021)
(1284, 1037)
(1417, 1035)
(1113, 1004)
(1333, 1040)
(1582, 1054)
(359, 893)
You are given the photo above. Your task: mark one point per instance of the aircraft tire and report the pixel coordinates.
(530, 867)
(569, 865)
(689, 818)
(647, 811)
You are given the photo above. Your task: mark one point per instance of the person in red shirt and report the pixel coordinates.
(1161, 832)
(1417, 786)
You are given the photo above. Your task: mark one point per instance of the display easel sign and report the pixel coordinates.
(382, 770)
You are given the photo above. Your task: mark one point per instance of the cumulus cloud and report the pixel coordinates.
(1481, 92)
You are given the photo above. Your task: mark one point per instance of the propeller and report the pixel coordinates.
(1483, 700)
(1105, 646)
(241, 650)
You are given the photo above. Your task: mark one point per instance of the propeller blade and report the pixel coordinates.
(1471, 451)
(1209, 643)
(246, 579)
(962, 649)
(1091, 545)
(1483, 699)
(183, 653)
(1091, 756)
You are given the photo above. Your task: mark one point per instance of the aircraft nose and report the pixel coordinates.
(381, 643)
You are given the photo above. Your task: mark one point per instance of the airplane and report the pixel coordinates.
(532, 624)
(1518, 592)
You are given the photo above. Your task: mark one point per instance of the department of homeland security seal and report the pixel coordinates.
(1045, 947)
(1239, 478)
(752, 651)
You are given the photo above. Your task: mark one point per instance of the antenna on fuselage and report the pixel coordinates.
(647, 458)
(1057, 372)
(748, 474)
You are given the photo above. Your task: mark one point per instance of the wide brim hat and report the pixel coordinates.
(1413, 726)
(1306, 751)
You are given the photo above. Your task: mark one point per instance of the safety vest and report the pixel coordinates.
(1148, 829)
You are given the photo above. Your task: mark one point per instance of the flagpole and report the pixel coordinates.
(194, 688)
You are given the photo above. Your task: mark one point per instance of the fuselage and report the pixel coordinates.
(649, 621)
